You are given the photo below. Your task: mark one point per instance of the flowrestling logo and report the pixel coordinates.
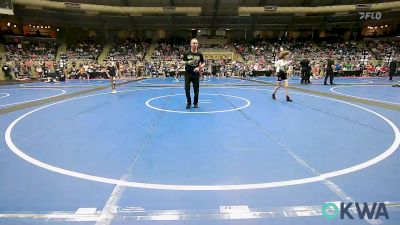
(370, 15)
(353, 210)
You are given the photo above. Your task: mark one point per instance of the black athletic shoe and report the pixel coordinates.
(196, 105)
(288, 99)
(325, 84)
(188, 105)
(273, 96)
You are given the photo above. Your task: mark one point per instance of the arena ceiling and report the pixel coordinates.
(219, 14)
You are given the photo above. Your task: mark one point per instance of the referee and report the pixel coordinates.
(194, 65)
(329, 72)
(392, 68)
(305, 71)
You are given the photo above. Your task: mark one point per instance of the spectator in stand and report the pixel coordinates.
(7, 71)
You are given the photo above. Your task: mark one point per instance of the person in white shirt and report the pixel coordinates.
(282, 66)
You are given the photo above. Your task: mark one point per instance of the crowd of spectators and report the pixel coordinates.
(348, 56)
(128, 50)
(81, 59)
(24, 57)
(30, 50)
(88, 49)
(384, 50)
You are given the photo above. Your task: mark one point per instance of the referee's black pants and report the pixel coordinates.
(330, 75)
(303, 76)
(192, 78)
(391, 73)
(308, 75)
